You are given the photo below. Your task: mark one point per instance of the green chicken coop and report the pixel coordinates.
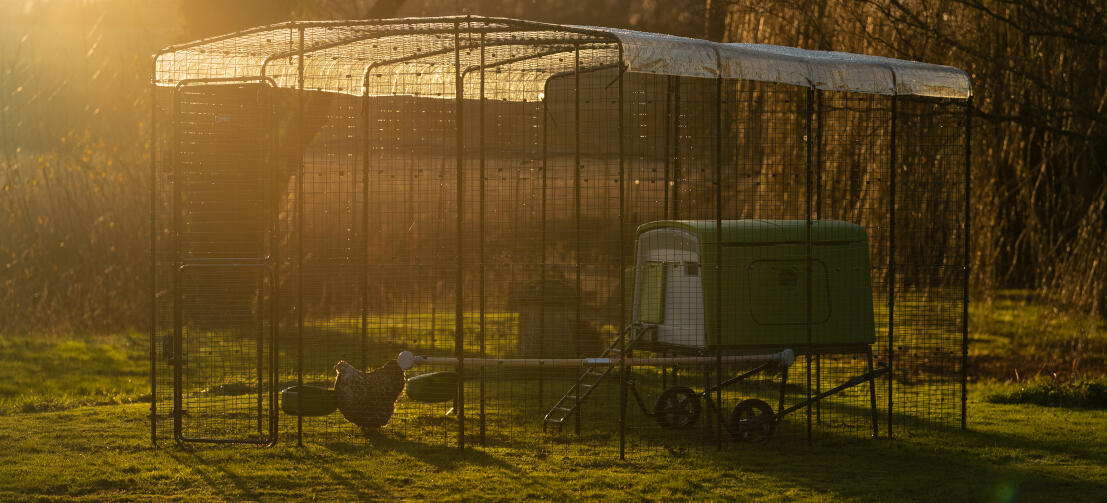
(748, 284)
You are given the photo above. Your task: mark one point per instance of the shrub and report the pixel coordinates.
(1077, 393)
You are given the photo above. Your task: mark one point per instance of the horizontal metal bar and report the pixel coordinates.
(269, 440)
(221, 80)
(407, 360)
(243, 261)
(228, 265)
(570, 73)
(519, 59)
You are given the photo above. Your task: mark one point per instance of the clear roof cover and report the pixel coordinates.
(417, 57)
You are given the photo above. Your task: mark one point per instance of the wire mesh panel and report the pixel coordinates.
(575, 251)
(410, 227)
(672, 155)
(214, 248)
(224, 385)
(781, 291)
(850, 169)
(163, 256)
(929, 261)
(505, 202)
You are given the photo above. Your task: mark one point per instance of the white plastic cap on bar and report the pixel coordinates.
(406, 359)
(786, 357)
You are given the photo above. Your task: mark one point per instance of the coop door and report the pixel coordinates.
(778, 292)
(225, 194)
(651, 298)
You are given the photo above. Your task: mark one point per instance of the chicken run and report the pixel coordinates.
(564, 232)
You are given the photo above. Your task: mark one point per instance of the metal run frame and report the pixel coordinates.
(813, 115)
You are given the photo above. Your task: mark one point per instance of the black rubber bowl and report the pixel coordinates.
(433, 387)
(308, 401)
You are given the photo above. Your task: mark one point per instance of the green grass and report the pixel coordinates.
(41, 373)
(70, 430)
(1012, 453)
(1014, 338)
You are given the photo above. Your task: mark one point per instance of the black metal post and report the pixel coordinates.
(675, 200)
(872, 395)
(808, 154)
(719, 258)
(275, 287)
(260, 341)
(364, 342)
(892, 161)
(300, 238)
(542, 277)
(783, 388)
(576, 217)
(820, 122)
(622, 267)
(481, 132)
(706, 375)
(668, 155)
(178, 314)
(818, 172)
(267, 183)
(966, 258)
(459, 301)
(153, 256)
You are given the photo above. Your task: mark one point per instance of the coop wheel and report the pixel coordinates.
(752, 420)
(677, 407)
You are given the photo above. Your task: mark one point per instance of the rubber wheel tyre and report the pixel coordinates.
(752, 421)
(677, 408)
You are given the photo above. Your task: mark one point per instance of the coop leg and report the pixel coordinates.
(872, 394)
(783, 385)
(541, 375)
(664, 374)
(576, 410)
(819, 388)
(710, 422)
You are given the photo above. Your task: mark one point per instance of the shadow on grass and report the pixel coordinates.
(440, 458)
(357, 482)
(942, 462)
(206, 469)
(437, 455)
(971, 437)
(957, 465)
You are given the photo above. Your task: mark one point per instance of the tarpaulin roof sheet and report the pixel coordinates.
(417, 56)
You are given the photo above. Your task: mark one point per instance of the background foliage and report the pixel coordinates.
(74, 124)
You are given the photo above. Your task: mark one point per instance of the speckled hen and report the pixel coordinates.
(368, 399)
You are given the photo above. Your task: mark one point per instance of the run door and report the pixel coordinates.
(225, 197)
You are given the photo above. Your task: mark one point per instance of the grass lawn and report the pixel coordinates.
(1012, 453)
(70, 428)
